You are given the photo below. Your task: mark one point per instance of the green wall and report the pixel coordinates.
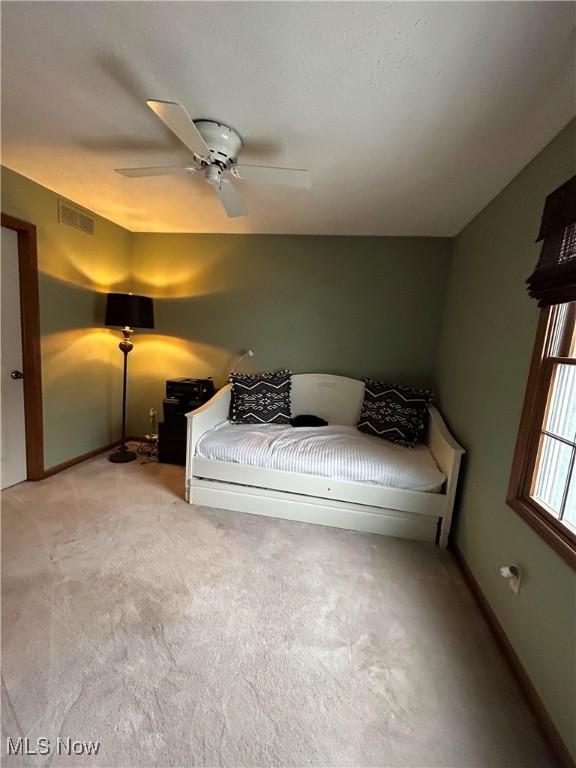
(351, 305)
(488, 333)
(80, 361)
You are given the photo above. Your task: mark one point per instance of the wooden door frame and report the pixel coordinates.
(31, 360)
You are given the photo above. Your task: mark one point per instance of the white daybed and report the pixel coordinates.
(357, 506)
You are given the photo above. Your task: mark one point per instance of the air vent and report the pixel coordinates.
(75, 218)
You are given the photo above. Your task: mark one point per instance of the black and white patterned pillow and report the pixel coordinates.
(261, 398)
(394, 412)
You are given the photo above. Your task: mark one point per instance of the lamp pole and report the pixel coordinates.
(123, 455)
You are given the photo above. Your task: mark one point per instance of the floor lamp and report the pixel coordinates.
(126, 311)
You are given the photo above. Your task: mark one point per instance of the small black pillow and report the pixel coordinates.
(260, 398)
(305, 420)
(394, 412)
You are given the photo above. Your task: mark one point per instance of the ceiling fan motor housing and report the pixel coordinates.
(223, 142)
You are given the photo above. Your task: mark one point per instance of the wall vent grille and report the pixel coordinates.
(75, 218)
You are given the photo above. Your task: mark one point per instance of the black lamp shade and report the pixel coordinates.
(125, 309)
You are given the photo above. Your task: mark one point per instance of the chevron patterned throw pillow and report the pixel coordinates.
(394, 412)
(262, 398)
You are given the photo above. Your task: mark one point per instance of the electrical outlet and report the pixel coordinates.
(513, 576)
(153, 413)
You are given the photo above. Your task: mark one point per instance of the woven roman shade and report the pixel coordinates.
(554, 279)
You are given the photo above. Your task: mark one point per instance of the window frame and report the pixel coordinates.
(552, 530)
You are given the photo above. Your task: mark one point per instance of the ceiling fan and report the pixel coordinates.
(215, 149)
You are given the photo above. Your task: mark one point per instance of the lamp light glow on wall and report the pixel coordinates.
(126, 311)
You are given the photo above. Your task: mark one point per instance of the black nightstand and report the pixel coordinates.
(172, 443)
(182, 396)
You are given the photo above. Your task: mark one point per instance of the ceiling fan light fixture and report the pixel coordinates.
(213, 175)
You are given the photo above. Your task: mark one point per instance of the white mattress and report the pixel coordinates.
(339, 452)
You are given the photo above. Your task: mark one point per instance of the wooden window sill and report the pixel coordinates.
(554, 533)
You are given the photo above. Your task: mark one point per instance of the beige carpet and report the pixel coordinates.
(179, 636)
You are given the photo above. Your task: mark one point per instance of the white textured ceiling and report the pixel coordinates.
(411, 116)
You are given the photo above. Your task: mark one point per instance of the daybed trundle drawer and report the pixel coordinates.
(417, 502)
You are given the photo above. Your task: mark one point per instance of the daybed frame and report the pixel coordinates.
(322, 500)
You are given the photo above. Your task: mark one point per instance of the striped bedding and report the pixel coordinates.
(339, 452)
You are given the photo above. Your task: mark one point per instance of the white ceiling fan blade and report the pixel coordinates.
(157, 170)
(175, 117)
(230, 199)
(262, 174)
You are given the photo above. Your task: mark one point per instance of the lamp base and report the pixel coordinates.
(122, 456)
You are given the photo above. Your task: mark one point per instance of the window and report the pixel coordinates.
(543, 481)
